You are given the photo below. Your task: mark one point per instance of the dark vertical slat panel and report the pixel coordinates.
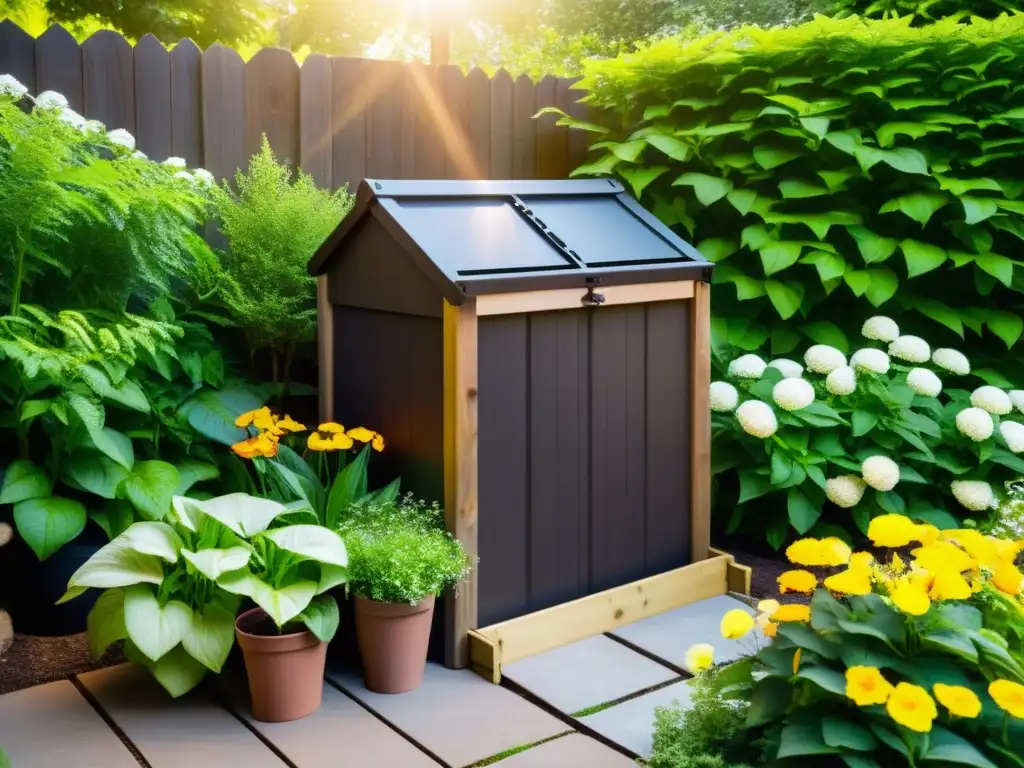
(478, 121)
(187, 102)
(350, 97)
(59, 65)
(524, 130)
(547, 131)
(668, 435)
(502, 102)
(18, 54)
(316, 154)
(560, 153)
(578, 144)
(223, 112)
(409, 97)
(458, 155)
(384, 127)
(430, 117)
(153, 98)
(109, 80)
(617, 445)
(502, 581)
(272, 103)
(558, 458)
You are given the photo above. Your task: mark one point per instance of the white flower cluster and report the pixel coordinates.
(790, 369)
(880, 328)
(880, 472)
(51, 100)
(121, 138)
(724, 397)
(975, 495)
(757, 418)
(1017, 398)
(952, 361)
(747, 367)
(1013, 434)
(975, 423)
(870, 360)
(992, 399)
(793, 394)
(842, 381)
(11, 86)
(912, 349)
(821, 358)
(924, 382)
(845, 491)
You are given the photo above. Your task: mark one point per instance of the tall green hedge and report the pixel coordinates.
(833, 171)
(926, 11)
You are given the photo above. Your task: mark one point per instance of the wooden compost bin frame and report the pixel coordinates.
(710, 572)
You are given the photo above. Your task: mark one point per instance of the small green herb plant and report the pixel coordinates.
(400, 552)
(172, 589)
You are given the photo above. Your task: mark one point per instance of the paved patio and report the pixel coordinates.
(588, 704)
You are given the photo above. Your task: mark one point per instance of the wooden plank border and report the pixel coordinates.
(571, 298)
(551, 628)
(460, 470)
(700, 422)
(738, 576)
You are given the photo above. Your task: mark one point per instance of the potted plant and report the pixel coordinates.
(400, 558)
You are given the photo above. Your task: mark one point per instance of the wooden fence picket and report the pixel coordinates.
(59, 66)
(153, 98)
(187, 103)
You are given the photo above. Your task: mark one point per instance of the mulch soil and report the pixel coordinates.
(36, 660)
(766, 571)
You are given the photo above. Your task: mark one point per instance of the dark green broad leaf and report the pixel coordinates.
(150, 487)
(94, 472)
(49, 523)
(769, 700)
(889, 738)
(322, 617)
(212, 413)
(827, 443)
(860, 761)
(819, 414)
(847, 734)
(953, 641)
(803, 511)
(824, 332)
(803, 740)
(806, 637)
(961, 615)
(863, 421)
(349, 486)
(24, 480)
(829, 679)
(944, 746)
(885, 626)
(891, 502)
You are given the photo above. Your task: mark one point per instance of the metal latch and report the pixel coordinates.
(591, 299)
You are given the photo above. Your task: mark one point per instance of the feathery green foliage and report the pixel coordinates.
(926, 11)
(274, 225)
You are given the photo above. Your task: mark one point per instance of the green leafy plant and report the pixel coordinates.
(274, 225)
(400, 552)
(879, 433)
(926, 11)
(172, 589)
(828, 165)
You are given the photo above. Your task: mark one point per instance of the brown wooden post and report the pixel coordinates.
(325, 346)
(700, 454)
(460, 469)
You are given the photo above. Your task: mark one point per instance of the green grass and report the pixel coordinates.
(595, 709)
(516, 750)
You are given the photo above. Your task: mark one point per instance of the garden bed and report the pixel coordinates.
(36, 660)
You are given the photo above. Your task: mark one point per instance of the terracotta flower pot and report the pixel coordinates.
(393, 641)
(286, 672)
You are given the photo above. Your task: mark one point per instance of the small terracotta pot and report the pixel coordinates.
(393, 640)
(286, 672)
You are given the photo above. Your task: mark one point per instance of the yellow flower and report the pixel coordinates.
(803, 582)
(698, 658)
(768, 606)
(950, 585)
(852, 581)
(866, 686)
(792, 612)
(264, 444)
(927, 534)
(862, 560)
(771, 629)
(378, 442)
(837, 551)
(896, 565)
(796, 660)
(819, 552)
(943, 555)
(247, 418)
(736, 623)
(912, 707)
(960, 701)
(364, 435)
(290, 425)
(329, 437)
(330, 428)
(910, 596)
(265, 421)
(317, 442)
(1007, 578)
(1009, 696)
(980, 547)
(892, 531)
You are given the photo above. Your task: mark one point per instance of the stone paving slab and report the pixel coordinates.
(584, 674)
(171, 733)
(340, 733)
(572, 751)
(631, 724)
(54, 725)
(456, 714)
(669, 635)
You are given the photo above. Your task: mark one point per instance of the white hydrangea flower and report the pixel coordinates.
(821, 358)
(976, 495)
(138, 154)
(724, 397)
(793, 394)
(952, 361)
(1017, 398)
(1013, 434)
(747, 367)
(757, 418)
(845, 491)
(880, 328)
(51, 100)
(184, 175)
(175, 162)
(790, 369)
(924, 382)
(975, 423)
(204, 177)
(871, 360)
(992, 399)
(913, 349)
(842, 381)
(880, 472)
(72, 118)
(11, 86)
(94, 126)
(122, 138)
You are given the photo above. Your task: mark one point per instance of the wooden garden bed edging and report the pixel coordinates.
(535, 633)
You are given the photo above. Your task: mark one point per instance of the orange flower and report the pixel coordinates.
(771, 629)
(247, 418)
(262, 445)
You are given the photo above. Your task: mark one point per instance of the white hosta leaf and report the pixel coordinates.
(331, 576)
(178, 672)
(239, 583)
(154, 629)
(184, 513)
(115, 565)
(282, 605)
(211, 637)
(151, 538)
(313, 542)
(105, 623)
(213, 563)
(244, 514)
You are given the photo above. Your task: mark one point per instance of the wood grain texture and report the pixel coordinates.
(59, 65)
(524, 130)
(187, 103)
(739, 576)
(350, 100)
(18, 55)
(272, 104)
(700, 452)
(153, 98)
(223, 84)
(459, 162)
(109, 80)
(570, 298)
(502, 105)
(478, 122)
(316, 152)
(325, 348)
(384, 120)
(460, 482)
(550, 138)
(423, 100)
(578, 142)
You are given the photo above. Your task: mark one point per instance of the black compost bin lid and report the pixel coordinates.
(480, 237)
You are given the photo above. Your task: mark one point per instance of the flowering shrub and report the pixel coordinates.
(897, 662)
(894, 429)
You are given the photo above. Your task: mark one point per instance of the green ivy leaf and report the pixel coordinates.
(24, 480)
(920, 206)
(873, 247)
(922, 257)
(882, 285)
(641, 177)
(887, 133)
(708, 189)
(671, 146)
(772, 157)
(756, 236)
(1000, 267)
(803, 512)
(785, 297)
(940, 313)
(1006, 325)
(798, 189)
(752, 486)
(906, 160)
(742, 200)
(603, 166)
(978, 209)
(717, 249)
(779, 256)
(95, 473)
(48, 524)
(150, 487)
(829, 265)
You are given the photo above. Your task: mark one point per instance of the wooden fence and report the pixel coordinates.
(340, 119)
